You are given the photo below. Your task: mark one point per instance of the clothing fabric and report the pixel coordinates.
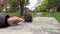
(3, 21)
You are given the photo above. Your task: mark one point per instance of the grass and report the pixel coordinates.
(14, 14)
(52, 14)
(11, 14)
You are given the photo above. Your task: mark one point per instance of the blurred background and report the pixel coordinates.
(48, 8)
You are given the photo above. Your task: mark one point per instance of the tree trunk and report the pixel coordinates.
(56, 9)
(21, 6)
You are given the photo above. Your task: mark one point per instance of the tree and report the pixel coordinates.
(47, 4)
(14, 5)
(22, 4)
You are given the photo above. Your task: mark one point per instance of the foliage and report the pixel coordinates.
(15, 4)
(47, 4)
(26, 2)
(52, 3)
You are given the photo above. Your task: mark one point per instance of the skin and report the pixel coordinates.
(14, 20)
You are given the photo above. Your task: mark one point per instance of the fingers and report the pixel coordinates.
(15, 20)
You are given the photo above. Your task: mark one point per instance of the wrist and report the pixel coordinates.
(8, 21)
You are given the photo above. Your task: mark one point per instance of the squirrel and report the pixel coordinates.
(27, 16)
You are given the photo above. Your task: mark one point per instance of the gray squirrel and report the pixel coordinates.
(27, 16)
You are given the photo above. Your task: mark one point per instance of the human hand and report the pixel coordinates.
(14, 20)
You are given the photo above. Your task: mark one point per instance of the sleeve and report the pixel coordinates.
(3, 21)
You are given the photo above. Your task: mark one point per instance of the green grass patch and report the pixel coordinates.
(11, 14)
(52, 14)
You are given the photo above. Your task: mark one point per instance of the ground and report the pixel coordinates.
(40, 25)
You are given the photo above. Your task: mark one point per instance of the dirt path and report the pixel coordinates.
(40, 25)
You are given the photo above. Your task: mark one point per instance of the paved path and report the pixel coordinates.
(40, 25)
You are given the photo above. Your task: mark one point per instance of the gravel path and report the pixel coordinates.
(40, 25)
